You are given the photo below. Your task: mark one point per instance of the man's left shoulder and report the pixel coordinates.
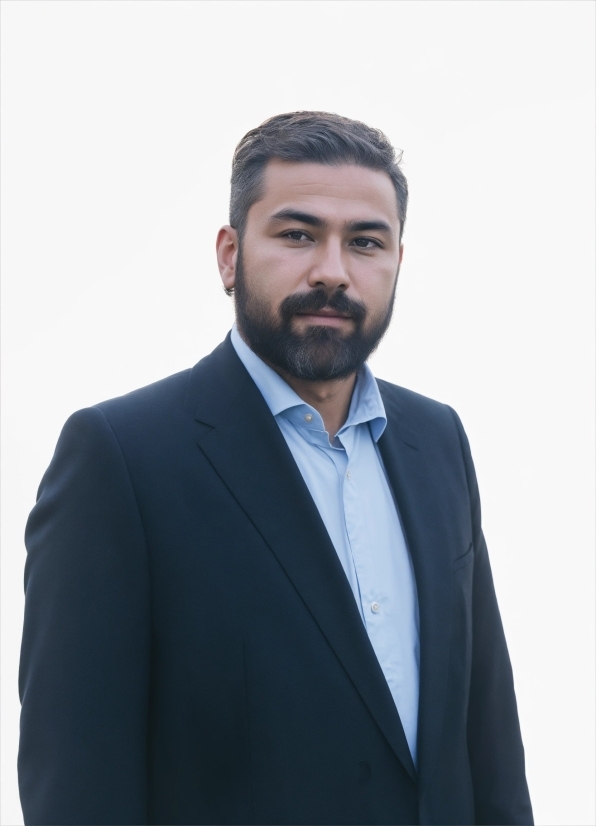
(429, 426)
(418, 411)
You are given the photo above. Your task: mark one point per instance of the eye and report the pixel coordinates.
(366, 243)
(296, 235)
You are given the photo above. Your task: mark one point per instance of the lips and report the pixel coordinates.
(326, 314)
(322, 318)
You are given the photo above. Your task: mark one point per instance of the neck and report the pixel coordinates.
(329, 398)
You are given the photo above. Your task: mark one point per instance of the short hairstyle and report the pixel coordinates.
(310, 137)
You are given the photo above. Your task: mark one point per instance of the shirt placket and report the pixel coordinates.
(371, 598)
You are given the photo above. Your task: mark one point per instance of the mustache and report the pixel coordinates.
(319, 299)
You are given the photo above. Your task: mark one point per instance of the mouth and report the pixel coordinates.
(327, 318)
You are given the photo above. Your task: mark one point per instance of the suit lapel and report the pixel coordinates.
(420, 501)
(243, 443)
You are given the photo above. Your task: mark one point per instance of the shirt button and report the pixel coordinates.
(308, 417)
(349, 474)
(375, 607)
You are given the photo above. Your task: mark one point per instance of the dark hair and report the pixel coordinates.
(307, 137)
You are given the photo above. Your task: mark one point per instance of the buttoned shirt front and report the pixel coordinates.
(347, 481)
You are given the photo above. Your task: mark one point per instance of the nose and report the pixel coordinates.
(329, 270)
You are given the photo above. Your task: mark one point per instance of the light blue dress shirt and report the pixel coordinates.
(347, 481)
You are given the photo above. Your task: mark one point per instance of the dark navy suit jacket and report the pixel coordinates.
(192, 651)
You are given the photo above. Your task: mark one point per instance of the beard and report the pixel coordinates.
(320, 353)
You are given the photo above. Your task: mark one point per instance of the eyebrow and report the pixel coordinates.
(364, 226)
(301, 217)
(314, 221)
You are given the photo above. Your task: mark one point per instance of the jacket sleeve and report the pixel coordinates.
(494, 739)
(85, 656)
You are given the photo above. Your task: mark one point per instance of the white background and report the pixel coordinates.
(119, 120)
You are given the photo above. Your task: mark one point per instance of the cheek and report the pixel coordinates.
(275, 274)
(376, 291)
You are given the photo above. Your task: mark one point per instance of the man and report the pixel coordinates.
(257, 591)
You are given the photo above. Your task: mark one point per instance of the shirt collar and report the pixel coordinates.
(366, 405)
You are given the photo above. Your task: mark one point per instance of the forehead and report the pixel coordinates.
(346, 192)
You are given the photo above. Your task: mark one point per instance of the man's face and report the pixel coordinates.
(316, 272)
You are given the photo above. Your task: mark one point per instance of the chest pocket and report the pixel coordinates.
(464, 560)
(462, 573)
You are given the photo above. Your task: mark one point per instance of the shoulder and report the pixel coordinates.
(154, 401)
(428, 424)
(150, 415)
(152, 421)
(419, 411)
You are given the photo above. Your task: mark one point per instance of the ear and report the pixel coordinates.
(227, 253)
(401, 255)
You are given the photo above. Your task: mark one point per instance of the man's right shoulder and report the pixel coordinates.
(166, 400)
(158, 400)
(149, 415)
(155, 399)
(159, 416)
